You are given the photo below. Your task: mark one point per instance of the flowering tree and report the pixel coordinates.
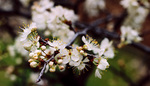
(56, 39)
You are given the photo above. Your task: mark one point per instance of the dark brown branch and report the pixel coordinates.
(12, 13)
(120, 19)
(112, 35)
(68, 46)
(141, 47)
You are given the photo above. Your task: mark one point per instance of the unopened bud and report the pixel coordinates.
(85, 54)
(35, 56)
(38, 52)
(79, 48)
(31, 55)
(51, 63)
(33, 64)
(60, 61)
(82, 52)
(48, 52)
(30, 60)
(85, 47)
(47, 33)
(43, 48)
(61, 67)
(52, 69)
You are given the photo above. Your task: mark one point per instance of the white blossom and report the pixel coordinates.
(27, 31)
(102, 65)
(83, 64)
(91, 44)
(40, 14)
(75, 55)
(66, 56)
(127, 3)
(93, 7)
(106, 48)
(57, 44)
(32, 44)
(128, 35)
(17, 48)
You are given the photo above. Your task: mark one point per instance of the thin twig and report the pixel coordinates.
(44, 67)
(68, 46)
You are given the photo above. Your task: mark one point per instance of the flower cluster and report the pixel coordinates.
(132, 24)
(128, 35)
(54, 20)
(101, 52)
(40, 51)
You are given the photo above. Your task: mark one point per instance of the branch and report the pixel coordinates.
(87, 28)
(141, 47)
(99, 32)
(18, 13)
(42, 71)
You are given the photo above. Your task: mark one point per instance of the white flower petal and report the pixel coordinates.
(86, 60)
(84, 39)
(75, 58)
(81, 67)
(103, 64)
(109, 53)
(104, 43)
(97, 74)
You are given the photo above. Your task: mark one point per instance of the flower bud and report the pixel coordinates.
(38, 52)
(53, 69)
(85, 54)
(31, 55)
(51, 63)
(42, 57)
(48, 52)
(47, 33)
(60, 61)
(82, 52)
(43, 48)
(85, 47)
(35, 56)
(79, 48)
(30, 60)
(61, 67)
(33, 64)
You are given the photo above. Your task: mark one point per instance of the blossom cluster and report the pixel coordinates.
(53, 20)
(77, 57)
(56, 23)
(132, 24)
